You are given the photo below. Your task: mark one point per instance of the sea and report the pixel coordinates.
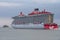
(9, 33)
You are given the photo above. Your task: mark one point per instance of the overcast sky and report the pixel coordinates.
(10, 8)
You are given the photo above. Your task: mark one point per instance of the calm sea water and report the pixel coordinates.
(28, 34)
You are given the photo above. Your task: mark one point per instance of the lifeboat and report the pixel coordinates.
(51, 26)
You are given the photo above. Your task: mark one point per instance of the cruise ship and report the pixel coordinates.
(35, 19)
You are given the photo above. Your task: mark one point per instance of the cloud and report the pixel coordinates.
(9, 4)
(46, 1)
(17, 3)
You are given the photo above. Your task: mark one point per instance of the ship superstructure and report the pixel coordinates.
(32, 20)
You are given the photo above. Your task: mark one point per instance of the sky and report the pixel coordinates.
(10, 8)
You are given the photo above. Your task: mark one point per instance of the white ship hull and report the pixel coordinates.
(28, 26)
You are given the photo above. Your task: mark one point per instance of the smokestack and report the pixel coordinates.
(36, 9)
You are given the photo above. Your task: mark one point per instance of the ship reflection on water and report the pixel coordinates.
(9, 33)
